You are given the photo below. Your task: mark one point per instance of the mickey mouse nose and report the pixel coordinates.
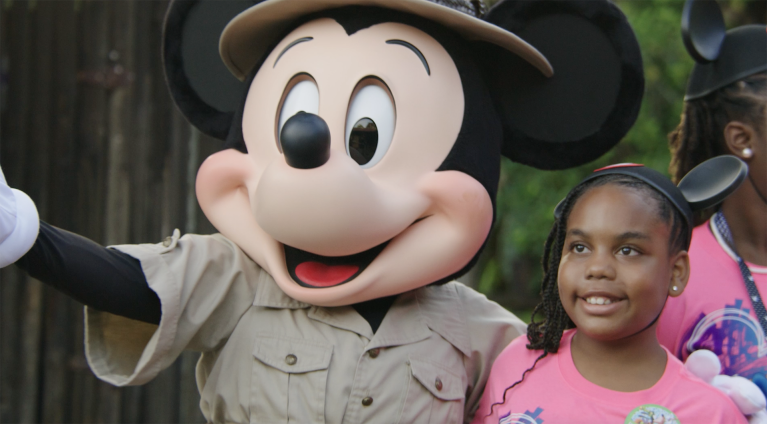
(305, 140)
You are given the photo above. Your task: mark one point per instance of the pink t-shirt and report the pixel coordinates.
(715, 311)
(555, 392)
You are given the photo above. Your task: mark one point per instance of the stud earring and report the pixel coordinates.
(674, 288)
(747, 153)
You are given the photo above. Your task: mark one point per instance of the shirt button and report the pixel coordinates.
(367, 401)
(373, 353)
(438, 384)
(291, 359)
(168, 240)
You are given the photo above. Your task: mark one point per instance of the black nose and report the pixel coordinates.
(305, 140)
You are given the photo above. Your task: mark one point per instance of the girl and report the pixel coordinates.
(725, 112)
(617, 250)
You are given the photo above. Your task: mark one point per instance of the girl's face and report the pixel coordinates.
(616, 269)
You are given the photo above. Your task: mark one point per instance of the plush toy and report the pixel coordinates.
(746, 395)
(362, 146)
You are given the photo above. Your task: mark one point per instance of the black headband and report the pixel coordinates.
(704, 186)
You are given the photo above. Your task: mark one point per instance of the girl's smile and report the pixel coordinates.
(616, 268)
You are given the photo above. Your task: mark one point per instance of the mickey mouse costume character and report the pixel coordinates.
(358, 180)
(724, 113)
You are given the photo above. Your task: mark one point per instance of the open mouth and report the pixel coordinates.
(317, 271)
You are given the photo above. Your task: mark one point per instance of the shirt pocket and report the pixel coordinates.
(289, 380)
(434, 394)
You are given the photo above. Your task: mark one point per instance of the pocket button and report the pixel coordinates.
(373, 353)
(438, 384)
(291, 359)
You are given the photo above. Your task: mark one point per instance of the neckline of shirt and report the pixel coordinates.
(581, 385)
(755, 269)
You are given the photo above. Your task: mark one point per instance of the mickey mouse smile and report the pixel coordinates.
(317, 271)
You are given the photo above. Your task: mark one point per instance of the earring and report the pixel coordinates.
(747, 153)
(674, 288)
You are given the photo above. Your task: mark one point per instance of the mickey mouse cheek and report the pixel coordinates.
(443, 243)
(332, 210)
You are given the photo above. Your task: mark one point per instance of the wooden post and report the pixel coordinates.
(88, 130)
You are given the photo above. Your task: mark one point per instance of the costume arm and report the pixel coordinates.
(104, 279)
(491, 328)
(205, 284)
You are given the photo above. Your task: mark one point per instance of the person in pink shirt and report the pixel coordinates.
(616, 252)
(725, 112)
(716, 311)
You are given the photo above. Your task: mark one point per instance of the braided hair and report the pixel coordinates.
(546, 334)
(700, 133)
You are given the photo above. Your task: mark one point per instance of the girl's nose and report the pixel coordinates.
(305, 140)
(600, 266)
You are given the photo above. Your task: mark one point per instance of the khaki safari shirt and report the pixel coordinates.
(267, 358)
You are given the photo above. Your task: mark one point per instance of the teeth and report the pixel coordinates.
(598, 300)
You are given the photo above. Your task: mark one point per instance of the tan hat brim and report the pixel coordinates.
(247, 37)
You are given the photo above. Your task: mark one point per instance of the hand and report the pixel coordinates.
(19, 223)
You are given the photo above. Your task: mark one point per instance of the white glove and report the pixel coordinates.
(19, 223)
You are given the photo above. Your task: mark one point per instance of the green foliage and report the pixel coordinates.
(527, 196)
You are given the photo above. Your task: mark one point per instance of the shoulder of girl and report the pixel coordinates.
(518, 352)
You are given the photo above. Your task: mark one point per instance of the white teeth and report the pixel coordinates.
(598, 300)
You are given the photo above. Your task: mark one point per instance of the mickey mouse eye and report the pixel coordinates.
(369, 123)
(302, 96)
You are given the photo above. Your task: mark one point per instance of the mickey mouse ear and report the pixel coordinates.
(712, 181)
(202, 87)
(592, 99)
(703, 29)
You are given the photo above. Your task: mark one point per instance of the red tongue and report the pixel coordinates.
(321, 275)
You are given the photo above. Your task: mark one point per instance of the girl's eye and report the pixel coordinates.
(302, 97)
(579, 248)
(627, 251)
(369, 124)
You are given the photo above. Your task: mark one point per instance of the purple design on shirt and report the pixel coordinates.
(525, 418)
(734, 336)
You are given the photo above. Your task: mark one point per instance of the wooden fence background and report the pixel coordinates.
(88, 130)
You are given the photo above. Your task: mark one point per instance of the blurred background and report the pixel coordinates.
(88, 130)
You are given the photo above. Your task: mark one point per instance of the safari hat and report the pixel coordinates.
(251, 33)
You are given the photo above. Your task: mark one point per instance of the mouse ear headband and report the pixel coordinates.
(704, 186)
(722, 57)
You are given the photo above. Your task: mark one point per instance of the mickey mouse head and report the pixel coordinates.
(366, 140)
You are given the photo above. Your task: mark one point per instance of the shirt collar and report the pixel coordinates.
(269, 295)
(411, 318)
(416, 314)
(755, 269)
(444, 314)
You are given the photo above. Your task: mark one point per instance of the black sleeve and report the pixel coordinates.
(104, 279)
